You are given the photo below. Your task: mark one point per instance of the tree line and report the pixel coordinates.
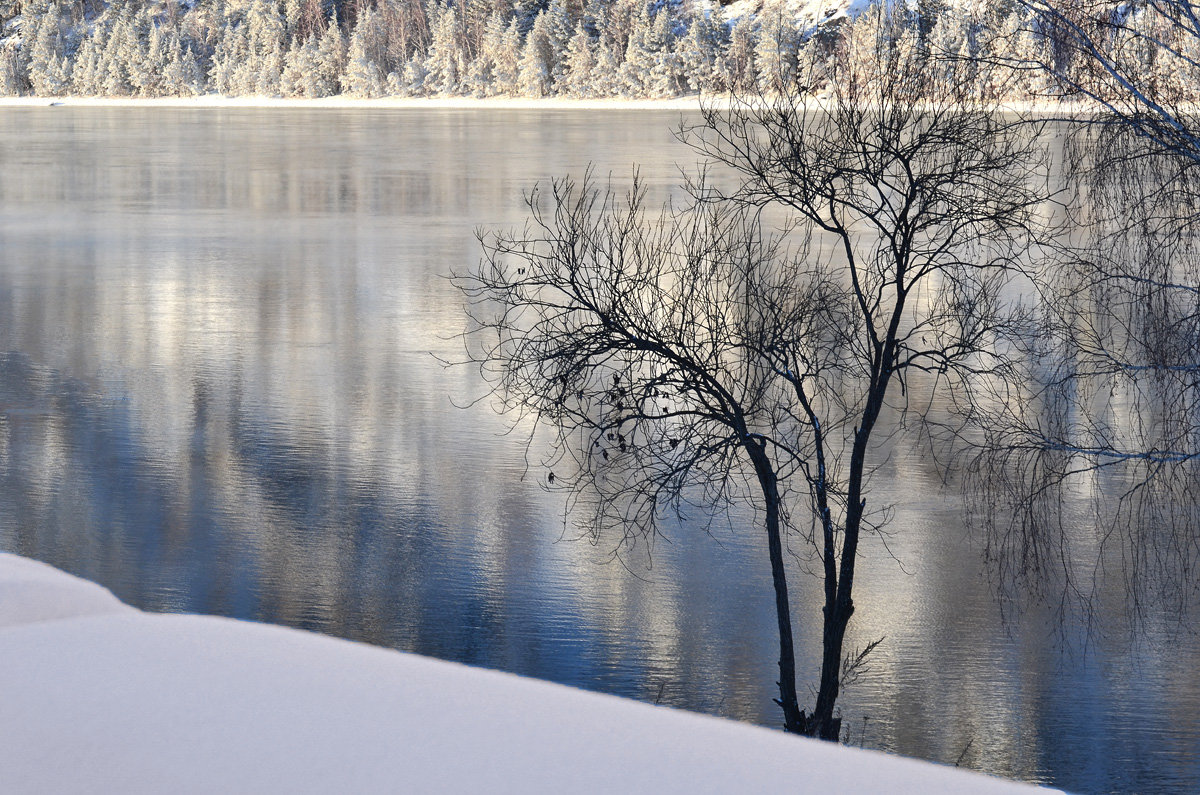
(484, 48)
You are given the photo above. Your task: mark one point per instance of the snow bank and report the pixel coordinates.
(98, 697)
(446, 103)
(689, 103)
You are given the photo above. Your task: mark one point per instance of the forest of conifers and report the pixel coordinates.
(484, 48)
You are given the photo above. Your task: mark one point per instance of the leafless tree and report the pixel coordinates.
(694, 358)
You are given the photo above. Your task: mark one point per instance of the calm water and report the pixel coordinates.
(219, 394)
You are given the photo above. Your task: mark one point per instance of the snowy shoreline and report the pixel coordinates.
(687, 103)
(99, 696)
(385, 103)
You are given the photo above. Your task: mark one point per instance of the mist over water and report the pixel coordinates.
(220, 392)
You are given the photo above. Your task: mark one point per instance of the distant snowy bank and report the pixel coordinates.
(218, 101)
(100, 697)
(687, 103)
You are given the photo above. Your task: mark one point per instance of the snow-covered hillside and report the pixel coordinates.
(99, 697)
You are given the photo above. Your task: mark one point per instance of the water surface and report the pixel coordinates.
(220, 392)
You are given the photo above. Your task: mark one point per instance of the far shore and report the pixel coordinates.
(690, 102)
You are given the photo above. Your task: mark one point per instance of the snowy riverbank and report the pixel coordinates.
(395, 103)
(99, 697)
(687, 103)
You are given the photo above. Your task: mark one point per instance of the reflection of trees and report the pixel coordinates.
(263, 520)
(208, 313)
(258, 429)
(1106, 434)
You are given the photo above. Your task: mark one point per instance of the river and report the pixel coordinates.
(223, 390)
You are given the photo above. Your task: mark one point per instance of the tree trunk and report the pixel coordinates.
(840, 607)
(793, 716)
(837, 612)
(822, 723)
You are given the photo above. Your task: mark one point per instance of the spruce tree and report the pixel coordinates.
(507, 60)
(12, 69)
(145, 75)
(122, 52)
(699, 51)
(639, 57)
(775, 52)
(536, 69)
(331, 59)
(48, 69)
(368, 49)
(182, 76)
(580, 63)
(443, 66)
(230, 53)
(300, 69)
(666, 69)
(738, 61)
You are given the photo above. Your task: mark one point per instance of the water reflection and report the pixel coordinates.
(217, 394)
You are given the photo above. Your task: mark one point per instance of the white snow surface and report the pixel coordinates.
(96, 696)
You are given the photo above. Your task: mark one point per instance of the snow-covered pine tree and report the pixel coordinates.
(738, 60)
(1183, 71)
(331, 59)
(580, 63)
(535, 76)
(411, 80)
(197, 28)
(525, 12)
(230, 52)
(606, 74)
(639, 57)
(145, 75)
(481, 69)
(293, 13)
(368, 49)
(122, 52)
(506, 57)
(85, 71)
(443, 65)
(1142, 42)
(666, 71)
(13, 72)
(946, 41)
(699, 51)
(182, 76)
(260, 70)
(614, 21)
(1032, 49)
(775, 52)
(300, 66)
(997, 75)
(559, 26)
(48, 68)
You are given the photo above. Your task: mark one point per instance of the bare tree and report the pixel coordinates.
(691, 358)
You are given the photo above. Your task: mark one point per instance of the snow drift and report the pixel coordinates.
(99, 697)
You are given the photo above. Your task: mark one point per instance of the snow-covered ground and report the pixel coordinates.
(96, 696)
(689, 103)
(499, 103)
